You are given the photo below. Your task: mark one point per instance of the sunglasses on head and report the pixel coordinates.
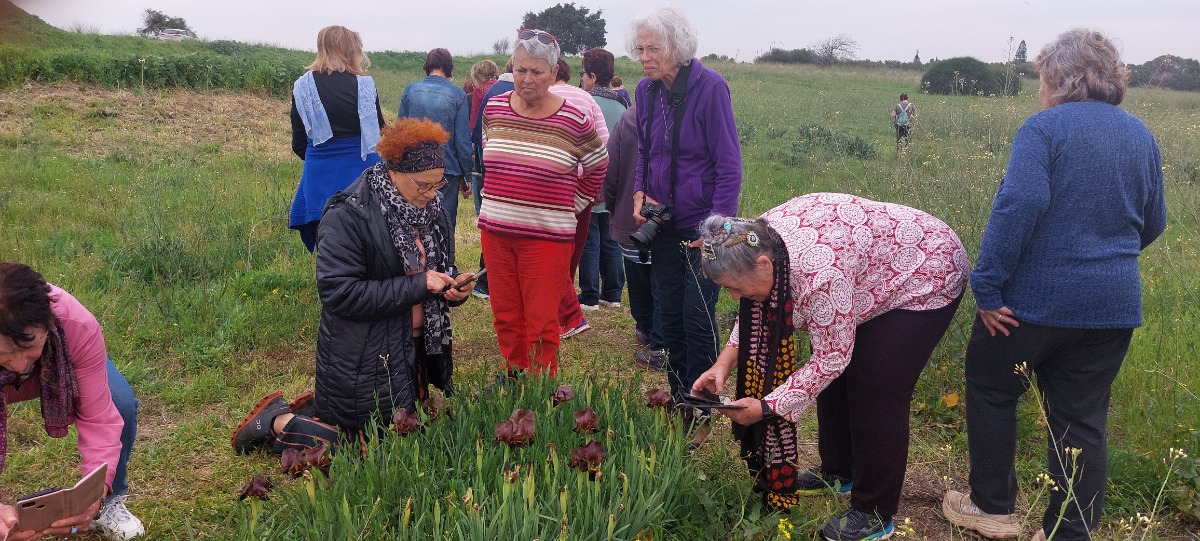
(541, 35)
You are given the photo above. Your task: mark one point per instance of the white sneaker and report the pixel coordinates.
(610, 304)
(116, 522)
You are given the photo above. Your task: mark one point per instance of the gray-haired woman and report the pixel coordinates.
(1058, 288)
(875, 285)
(544, 163)
(690, 163)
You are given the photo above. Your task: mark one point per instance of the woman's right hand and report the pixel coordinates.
(436, 282)
(637, 206)
(8, 521)
(713, 379)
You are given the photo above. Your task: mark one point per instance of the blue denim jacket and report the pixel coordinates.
(437, 99)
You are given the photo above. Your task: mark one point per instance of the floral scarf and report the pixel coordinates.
(766, 357)
(405, 223)
(60, 393)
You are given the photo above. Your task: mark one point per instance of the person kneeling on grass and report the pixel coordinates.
(384, 275)
(875, 285)
(51, 349)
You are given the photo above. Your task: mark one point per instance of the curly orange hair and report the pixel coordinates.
(398, 137)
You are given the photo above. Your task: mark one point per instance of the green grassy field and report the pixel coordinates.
(165, 212)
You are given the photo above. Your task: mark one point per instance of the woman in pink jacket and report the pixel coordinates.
(51, 349)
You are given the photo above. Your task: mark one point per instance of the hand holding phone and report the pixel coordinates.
(462, 286)
(37, 511)
(705, 399)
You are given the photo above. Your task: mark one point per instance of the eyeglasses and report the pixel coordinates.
(423, 187)
(541, 35)
(652, 50)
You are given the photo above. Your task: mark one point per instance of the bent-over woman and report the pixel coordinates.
(875, 285)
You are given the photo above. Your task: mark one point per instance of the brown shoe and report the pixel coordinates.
(255, 428)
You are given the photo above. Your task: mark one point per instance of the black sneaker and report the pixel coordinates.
(255, 429)
(651, 359)
(304, 404)
(816, 481)
(855, 525)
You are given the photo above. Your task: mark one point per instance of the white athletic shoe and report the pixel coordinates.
(116, 522)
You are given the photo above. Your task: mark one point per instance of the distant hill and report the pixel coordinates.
(19, 27)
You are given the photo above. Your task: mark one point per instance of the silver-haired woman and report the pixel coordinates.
(875, 285)
(1058, 288)
(690, 166)
(544, 163)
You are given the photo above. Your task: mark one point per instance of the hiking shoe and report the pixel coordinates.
(816, 481)
(304, 404)
(651, 359)
(643, 339)
(855, 525)
(116, 522)
(589, 307)
(480, 294)
(255, 429)
(962, 512)
(610, 304)
(565, 333)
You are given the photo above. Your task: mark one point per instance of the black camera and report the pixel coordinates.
(656, 216)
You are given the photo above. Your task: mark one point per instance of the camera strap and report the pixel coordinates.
(678, 98)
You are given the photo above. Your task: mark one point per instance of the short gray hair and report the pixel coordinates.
(536, 49)
(1083, 64)
(672, 26)
(731, 246)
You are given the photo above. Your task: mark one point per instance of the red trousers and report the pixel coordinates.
(569, 313)
(525, 278)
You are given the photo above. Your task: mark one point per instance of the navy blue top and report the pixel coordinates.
(1082, 196)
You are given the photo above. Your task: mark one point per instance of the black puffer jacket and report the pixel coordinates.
(365, 344)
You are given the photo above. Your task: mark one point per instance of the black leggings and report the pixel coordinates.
(863, 415)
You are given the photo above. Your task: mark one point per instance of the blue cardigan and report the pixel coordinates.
(1082, 196)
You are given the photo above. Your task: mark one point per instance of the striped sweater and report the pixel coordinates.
(540, 172)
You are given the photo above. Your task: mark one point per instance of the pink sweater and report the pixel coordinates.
(97, 420)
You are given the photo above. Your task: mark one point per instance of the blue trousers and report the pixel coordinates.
(643, 298)
(127, 405)
(450, 201)
(601, 273)
(689, 307)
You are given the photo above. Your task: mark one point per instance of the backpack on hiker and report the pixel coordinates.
(903, 118)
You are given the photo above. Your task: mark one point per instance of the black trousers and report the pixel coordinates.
(1074, 370)
(863, 416)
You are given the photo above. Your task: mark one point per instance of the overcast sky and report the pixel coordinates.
(885, 30)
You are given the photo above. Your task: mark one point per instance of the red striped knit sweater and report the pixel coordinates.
(540, 172)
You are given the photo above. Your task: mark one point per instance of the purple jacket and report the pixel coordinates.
(618, 184)
(710, 158)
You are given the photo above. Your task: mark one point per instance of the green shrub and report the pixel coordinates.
(966, 75)
(453, 479)
(813, 136)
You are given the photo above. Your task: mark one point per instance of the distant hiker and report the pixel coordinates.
(331, 132)
(903, 115)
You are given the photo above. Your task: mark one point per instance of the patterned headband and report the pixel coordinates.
(422, 156)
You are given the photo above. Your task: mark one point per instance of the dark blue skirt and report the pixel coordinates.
(328, 167)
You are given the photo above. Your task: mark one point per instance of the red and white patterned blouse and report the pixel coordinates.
(853, 259)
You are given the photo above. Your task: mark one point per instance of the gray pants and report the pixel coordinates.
(1074, 371)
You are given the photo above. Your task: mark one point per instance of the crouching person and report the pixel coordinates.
(51, 349)
(386, 280)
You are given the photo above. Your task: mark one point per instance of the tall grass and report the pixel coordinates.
(208, 301)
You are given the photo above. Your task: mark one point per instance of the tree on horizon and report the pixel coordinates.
(575, 28)
(157, 21)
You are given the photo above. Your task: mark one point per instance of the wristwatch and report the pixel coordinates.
(767, 413)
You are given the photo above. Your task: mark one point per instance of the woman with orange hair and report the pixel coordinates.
(386, 284)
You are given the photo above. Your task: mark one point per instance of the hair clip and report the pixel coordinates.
(707, 251)
(727, 226)
(750, 238)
